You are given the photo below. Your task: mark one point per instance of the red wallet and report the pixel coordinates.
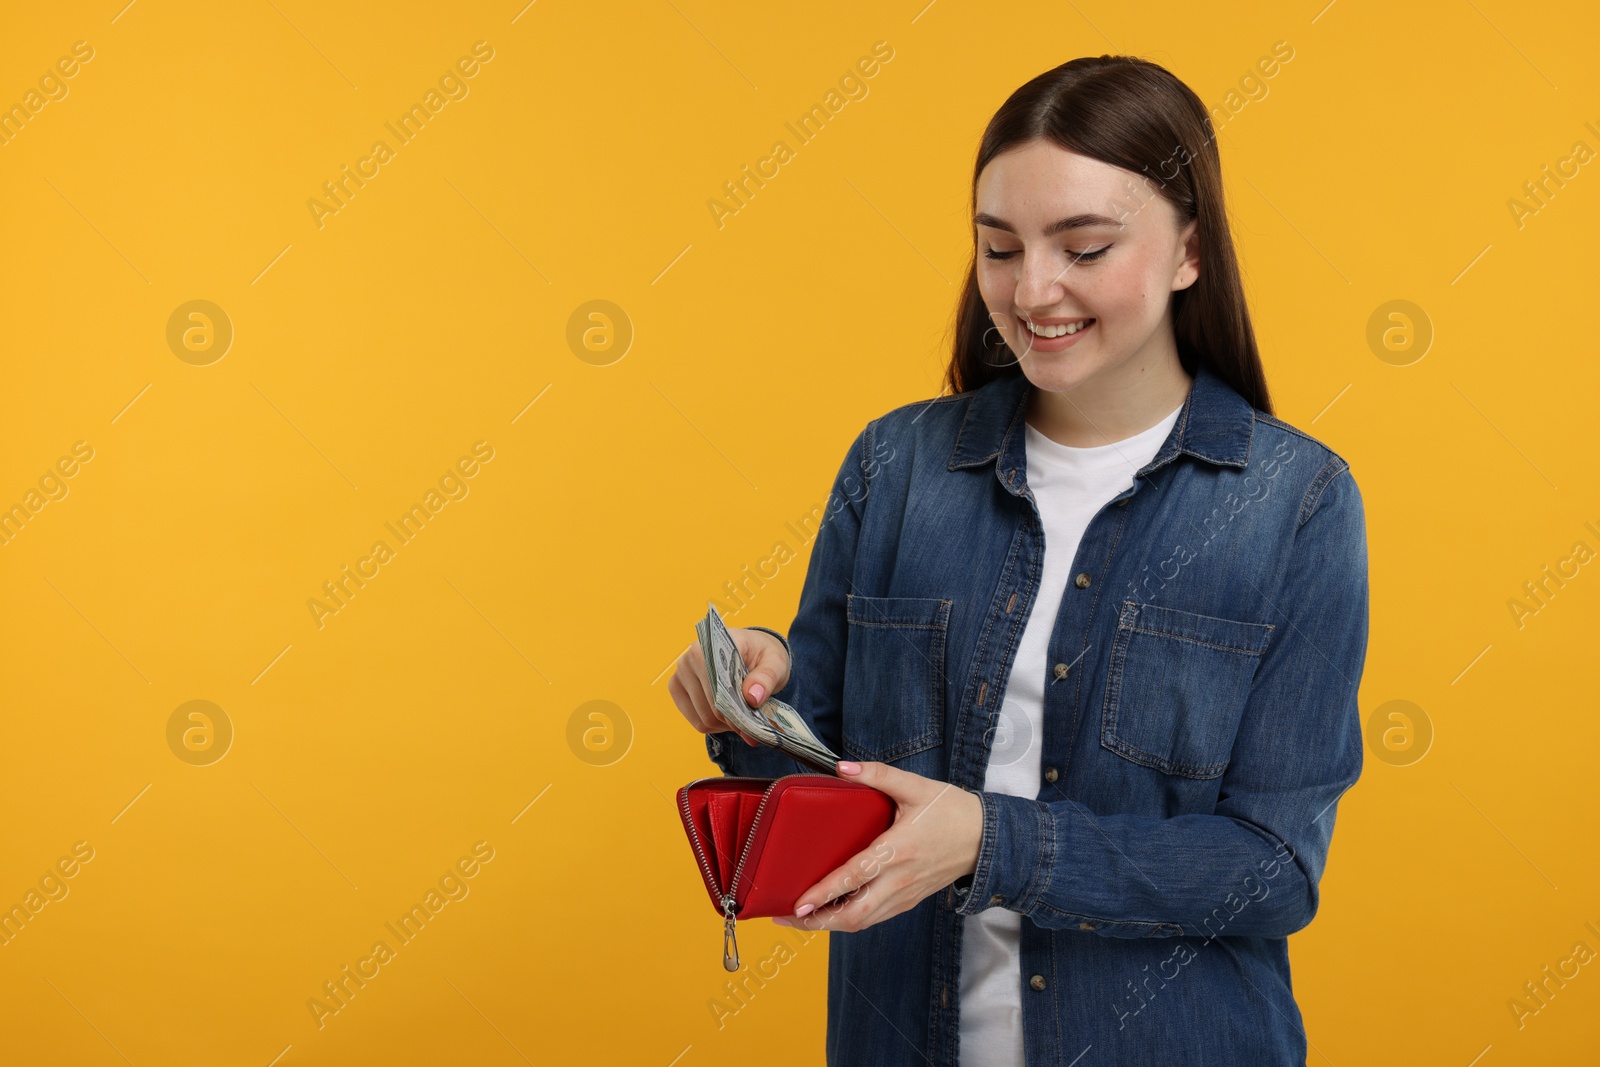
(762, 842)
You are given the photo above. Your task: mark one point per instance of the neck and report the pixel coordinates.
(1111, 407)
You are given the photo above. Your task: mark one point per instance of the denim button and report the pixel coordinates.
(997, 899)
(1061, 671)
(1086, 926)
(1081, 581)
(1036, 982)
(1051, 774)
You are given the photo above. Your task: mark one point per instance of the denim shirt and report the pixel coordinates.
(1200, 724)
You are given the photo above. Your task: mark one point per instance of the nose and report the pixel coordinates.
(1042, 284)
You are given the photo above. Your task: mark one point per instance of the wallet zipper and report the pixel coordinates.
(730, 942)
(727, 902)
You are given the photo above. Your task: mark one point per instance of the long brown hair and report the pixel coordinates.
(1136, 115)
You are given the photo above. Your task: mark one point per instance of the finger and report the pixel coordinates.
(700, 691)
(695, 693)
(766, 665)
(758, 685)
(761, 681)
(682, 697)
(849, 877)
(856, 911)
(703, 688)
(708, 720)
(903, 786)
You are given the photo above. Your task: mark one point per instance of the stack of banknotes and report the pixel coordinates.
(774, 723)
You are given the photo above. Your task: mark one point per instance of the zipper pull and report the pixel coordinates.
(730, 944)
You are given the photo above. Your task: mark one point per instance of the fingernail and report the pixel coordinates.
(803, 910)
(846, 767)
(781, 921)
(758, 693)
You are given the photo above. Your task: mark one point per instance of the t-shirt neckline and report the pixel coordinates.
(1100, 455)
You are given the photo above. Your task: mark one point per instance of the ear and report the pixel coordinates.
(1188, 271)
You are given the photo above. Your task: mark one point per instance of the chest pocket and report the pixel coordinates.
(1176, 686)
(894, 676)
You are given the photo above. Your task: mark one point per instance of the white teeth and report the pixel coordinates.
(1056, 331)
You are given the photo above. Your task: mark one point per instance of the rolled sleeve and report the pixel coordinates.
(1014, 854)
(784, 641)
(1252, 866)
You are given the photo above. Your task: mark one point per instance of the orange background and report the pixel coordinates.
(637, 469)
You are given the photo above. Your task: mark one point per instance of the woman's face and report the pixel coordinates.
(1079, 241)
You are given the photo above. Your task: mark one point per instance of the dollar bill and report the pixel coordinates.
(721, 655)
(774, 723)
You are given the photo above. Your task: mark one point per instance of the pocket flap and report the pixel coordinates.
(929, 612)
(1231, 634)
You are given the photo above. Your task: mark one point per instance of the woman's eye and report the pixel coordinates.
(1077, 257)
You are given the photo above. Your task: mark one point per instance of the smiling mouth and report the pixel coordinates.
(1054, 330)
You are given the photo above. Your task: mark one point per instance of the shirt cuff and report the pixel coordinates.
(784, 641)
(717, 748)
(1014, 855)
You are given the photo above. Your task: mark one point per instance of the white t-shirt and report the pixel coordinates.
(1070, 486)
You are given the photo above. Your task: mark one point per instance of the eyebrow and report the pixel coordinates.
(1073, 222)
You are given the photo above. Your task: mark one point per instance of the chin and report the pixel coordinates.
(1059, 372)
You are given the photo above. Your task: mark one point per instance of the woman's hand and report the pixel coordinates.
(934, 840)
(766, 666)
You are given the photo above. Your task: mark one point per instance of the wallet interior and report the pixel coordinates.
(723, 814)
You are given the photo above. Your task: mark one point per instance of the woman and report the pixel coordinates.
(1095, 620)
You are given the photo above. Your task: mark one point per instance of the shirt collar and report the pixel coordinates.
(1216, 424)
